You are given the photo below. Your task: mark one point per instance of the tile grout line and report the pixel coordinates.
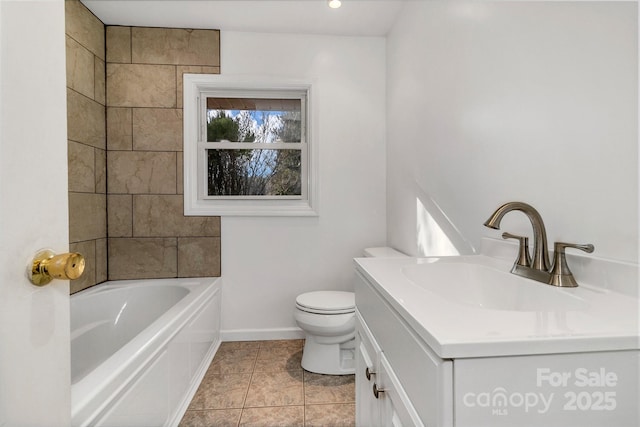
(304, 397)
(246, 394)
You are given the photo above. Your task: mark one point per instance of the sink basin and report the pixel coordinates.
(474, 281)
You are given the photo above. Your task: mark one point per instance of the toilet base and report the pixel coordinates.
(328, 359)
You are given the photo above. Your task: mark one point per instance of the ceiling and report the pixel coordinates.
(354, 18)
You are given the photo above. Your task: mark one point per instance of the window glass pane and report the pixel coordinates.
(254, 172)
(254, 120)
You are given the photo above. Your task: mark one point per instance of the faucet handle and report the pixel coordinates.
(560, 274)
(524, 259)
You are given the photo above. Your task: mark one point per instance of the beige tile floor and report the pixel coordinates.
(261, 383)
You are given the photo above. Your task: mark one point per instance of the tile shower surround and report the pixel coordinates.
(261, 383)
(144, 159)
(125, 172)
(86, 134)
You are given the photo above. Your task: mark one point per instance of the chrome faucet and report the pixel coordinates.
(538, 268)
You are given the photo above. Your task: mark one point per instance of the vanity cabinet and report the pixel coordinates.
(399, 380)
(402, 381)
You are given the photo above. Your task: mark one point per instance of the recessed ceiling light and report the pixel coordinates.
(334, 4)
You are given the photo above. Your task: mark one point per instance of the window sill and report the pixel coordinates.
(248, 208)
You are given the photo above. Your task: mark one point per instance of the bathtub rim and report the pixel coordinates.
(118, 375)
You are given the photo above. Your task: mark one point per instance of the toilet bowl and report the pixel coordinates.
(328, 320)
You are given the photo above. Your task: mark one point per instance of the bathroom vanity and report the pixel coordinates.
(459, 341)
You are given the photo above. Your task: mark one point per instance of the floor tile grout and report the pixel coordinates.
(304, 400)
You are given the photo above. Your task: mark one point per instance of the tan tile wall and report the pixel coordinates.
(138, 120)
(149, 237)
(87, 141)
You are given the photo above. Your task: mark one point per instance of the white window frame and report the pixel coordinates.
(196, 202)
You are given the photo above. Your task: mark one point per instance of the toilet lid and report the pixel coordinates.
(327, 302)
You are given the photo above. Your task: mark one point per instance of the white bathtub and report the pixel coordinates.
(139, 349)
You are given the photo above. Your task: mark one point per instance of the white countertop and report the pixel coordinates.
(604, 320)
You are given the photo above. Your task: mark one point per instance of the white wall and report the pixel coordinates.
(489, 102)
(266, 261)
(34, 322)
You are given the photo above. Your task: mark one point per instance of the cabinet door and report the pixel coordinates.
(367, 351)
(396, 408)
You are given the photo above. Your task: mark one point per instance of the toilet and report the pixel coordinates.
(328, 320)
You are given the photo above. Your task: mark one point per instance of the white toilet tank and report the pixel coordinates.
(382, 252)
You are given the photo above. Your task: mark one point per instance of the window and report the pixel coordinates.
(246, 147)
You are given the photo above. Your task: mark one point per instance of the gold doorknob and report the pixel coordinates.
(47, 266)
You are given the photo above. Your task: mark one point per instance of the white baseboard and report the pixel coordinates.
(262, 334)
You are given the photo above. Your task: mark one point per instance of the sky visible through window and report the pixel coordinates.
(266, 126)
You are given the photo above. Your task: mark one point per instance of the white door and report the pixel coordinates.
(34, 322)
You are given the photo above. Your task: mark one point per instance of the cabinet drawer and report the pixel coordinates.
(426, 379)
